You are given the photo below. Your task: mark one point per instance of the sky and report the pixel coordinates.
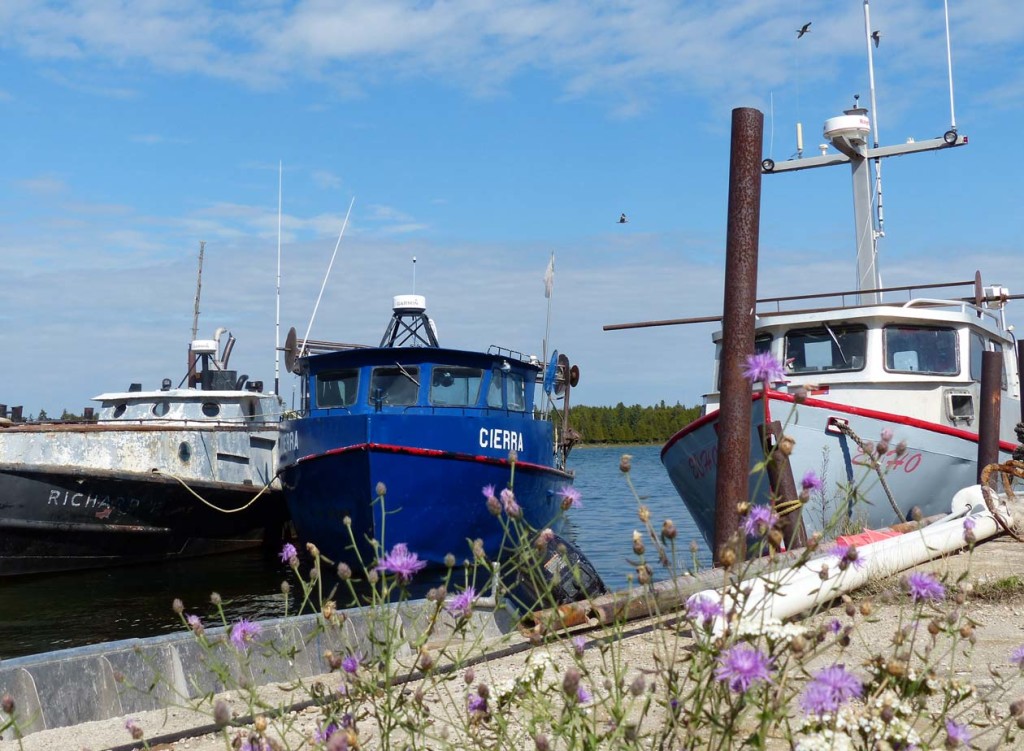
(477, 137)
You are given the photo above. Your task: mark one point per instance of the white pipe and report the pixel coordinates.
(788, 592)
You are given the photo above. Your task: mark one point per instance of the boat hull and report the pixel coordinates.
(58, 519)
(433, 501)
(937, 461)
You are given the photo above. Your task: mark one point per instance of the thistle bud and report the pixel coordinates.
(727, 556)
(638, 543)
(178, 606)
(449, 560)
(215, 599)
(7, 704)
(571, 681)
(625, 463)
(260, 724)
(644, 513)
(221, 713)
(344, 572)
(668, 530)
(381, 489)
(786, 445)
(1017, 708)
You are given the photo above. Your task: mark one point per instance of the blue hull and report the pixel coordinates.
(434, 467)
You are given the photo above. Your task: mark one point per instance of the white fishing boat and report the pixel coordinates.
(900, 366)
(159, 474)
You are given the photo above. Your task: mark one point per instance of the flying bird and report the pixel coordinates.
(622, 219)
(803, 29)
(877, 37)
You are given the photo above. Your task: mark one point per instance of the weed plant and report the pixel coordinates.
(701, 673)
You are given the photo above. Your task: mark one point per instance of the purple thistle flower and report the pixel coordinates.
(848, 553)
(401, 562)
(835, 626)
(476, 704)
(323, 735)
(578, 644)
(969, 524)
(741, 666)
(956, 734)
(461, 605)
(924, 586)
(583, 696)
(288, 552)
(570, 497)
(244, 632)
(1017, 657)
(759, 521)
(762, 367)
(811, 481)
(830, 689)
(886, 435)
(488, 491)
(703, 609)
(509, 503)
(350, 664)
(194, 623)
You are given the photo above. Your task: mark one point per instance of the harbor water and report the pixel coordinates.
(44, 613)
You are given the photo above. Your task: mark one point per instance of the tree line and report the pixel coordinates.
(633, 424)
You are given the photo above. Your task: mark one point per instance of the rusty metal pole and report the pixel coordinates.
(988, 409)
(1020, 369)
(731, 482)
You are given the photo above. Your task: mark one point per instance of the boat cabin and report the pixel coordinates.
(417, 380)
(929, 350)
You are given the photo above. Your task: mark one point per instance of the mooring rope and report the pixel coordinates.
(846, 430)
(215, 507)
(1011, 469)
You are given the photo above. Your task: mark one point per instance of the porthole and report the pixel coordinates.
(119, 409)
(184, 452)
(211, 409)
(161, 408)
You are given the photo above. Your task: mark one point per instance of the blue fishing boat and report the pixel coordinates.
(436, 426)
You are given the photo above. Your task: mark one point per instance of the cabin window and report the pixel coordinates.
(399, 385)
(337, 388)
(920, 349)
(515, 391)
(494, 396)
(978, 345)
(211, 409)
(161, 408)
(120, 408)
(825, 349)
(455, 386)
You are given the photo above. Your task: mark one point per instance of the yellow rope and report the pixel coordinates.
(788, 507)
(185, 485)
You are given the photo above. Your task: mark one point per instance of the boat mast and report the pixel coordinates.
(277, 318)
(849, 134)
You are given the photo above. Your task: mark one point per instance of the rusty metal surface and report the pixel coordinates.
(731, 482)
(988, 409)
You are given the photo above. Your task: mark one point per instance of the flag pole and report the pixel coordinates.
(549, 284)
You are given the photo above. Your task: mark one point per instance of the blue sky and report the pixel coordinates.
(479, 137)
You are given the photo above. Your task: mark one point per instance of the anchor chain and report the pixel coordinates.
(846, 430)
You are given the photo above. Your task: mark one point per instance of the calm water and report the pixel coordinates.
(44, 613)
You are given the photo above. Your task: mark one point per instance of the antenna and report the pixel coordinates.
(949, 66)
(192, 357)
(414, 275)
(879, 220)
(277, 319)
(199, 287)
(329, 266)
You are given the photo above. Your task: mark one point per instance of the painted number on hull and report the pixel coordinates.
(908, 462)
(495, 438)
(704, 461)
(288, 442)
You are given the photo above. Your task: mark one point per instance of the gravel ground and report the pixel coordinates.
(994, 602)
